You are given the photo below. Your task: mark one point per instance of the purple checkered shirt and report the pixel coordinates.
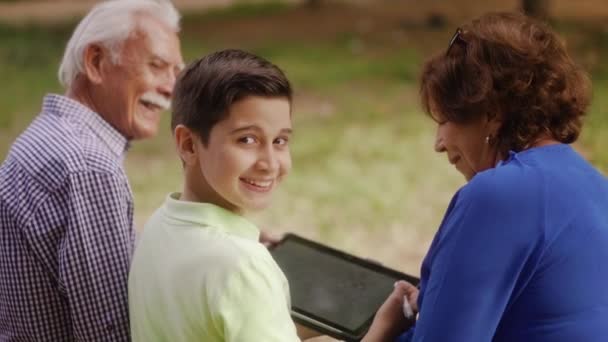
(66, 229)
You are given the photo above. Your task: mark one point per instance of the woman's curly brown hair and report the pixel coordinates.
(509, 65)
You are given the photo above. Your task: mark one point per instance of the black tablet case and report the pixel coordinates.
(336, 289)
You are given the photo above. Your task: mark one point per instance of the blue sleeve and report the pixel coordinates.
(407, 336)
(482, 250)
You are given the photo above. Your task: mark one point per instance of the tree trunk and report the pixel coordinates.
(536, 8)
(314, 4)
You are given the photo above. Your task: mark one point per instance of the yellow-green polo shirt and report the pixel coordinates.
(200, 274)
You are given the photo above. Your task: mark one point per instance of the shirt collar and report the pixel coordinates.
(207, 214)
(516, 155)
(76, 112)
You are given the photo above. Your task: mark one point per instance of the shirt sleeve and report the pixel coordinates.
(95, 254)
(407, 336)
(255, 304)
(482, 249)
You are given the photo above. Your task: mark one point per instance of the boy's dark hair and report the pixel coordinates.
(207, 88)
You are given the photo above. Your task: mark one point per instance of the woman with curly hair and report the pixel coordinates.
(520, 253)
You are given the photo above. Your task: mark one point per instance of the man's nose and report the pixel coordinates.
(167, 85)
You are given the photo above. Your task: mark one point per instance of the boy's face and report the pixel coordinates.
(247, 154)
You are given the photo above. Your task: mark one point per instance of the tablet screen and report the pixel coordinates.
(331, 286)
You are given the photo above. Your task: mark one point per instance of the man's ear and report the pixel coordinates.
(186, 144)
(94, 58)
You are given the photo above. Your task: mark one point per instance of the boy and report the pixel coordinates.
(199, 272)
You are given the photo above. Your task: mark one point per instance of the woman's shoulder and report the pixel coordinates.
(498, 200)
(506, 186)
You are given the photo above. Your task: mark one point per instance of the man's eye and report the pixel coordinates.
(247, 140)
(156, 64)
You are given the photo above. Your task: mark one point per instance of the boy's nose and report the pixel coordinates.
(439, 145)
(268, 161)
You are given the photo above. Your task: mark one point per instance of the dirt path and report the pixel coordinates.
(57, 10)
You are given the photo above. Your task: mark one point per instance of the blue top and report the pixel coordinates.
(520, 255)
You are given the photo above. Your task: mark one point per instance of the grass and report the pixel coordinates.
(364, 175)
(595, 137)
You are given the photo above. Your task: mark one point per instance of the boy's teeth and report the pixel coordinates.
(262, 184)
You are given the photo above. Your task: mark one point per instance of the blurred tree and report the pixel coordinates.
(536, 8)
(313, 3)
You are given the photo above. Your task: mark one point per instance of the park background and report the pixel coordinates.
(365, 179)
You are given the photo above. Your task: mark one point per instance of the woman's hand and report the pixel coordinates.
(412, 296)
(390, 321)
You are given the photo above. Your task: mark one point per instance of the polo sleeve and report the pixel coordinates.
(484, 248)
(95, 254)
(254, 305)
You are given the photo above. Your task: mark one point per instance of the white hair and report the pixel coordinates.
(110, 23)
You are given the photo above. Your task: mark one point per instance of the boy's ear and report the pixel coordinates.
(93, 59)
(186, 144)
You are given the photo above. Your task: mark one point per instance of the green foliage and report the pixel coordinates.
(29, 58)
(237, 11)
(325, 65)
(589, 45)
(595, 131)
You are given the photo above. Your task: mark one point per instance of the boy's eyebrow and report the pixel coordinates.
(245, 128)
(256, 128)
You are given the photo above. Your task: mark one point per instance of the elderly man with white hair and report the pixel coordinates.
(66, 209)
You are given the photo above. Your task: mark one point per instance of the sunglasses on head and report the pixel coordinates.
(456, 38)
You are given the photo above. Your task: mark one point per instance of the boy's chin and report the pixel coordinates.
(253, 207)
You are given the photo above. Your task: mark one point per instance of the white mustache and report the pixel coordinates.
(156, 99)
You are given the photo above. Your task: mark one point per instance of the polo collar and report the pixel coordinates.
(210, 215)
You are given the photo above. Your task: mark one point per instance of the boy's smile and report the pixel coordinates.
(246, 157)
(258, 185)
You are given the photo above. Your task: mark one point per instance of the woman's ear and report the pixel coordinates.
(185, 142)
(494, 123)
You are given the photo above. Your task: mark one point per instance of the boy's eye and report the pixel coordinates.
(281, 141)
(247, 140)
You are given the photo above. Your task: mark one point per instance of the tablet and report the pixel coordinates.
(333, 292)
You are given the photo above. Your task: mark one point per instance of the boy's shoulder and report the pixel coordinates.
(229, 253)
(215, 249)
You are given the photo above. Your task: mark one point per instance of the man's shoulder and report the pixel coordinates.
(51, 147)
